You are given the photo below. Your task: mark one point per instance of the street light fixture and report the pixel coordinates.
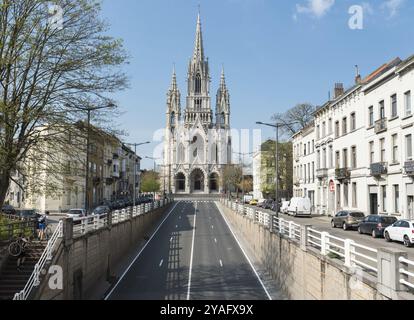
(277, 126)
(89, 109)
(135, 145)
(242, 155)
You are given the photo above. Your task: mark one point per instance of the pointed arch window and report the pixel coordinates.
(198, 84)
(172, 120)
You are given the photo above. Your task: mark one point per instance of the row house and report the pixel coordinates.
(364, 144)
(304, 163)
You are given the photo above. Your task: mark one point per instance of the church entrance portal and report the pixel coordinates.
(197, 181)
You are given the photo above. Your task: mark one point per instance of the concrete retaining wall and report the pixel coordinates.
(303, 273)
(90, 259)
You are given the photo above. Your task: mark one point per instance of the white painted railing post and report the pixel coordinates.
(281, 226)
(349, 253)
(95, 222)
(304, 235)
(36, 281)
(324, 243)
(291, 230)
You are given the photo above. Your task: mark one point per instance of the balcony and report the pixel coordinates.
(342, 174)
(409, 168)
(322, 173)
(381, 125)
(379, 169)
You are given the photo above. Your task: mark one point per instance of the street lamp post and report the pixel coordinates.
(89, 110)
(242, 155)
(277, 126)
(135, 145)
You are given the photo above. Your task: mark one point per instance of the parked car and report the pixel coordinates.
(101, 210)
(8, 209)
(27, 214)
(347, 219)
(253, 202)
(401, 231)
(261, 202)
(285, 206)
(299, 207)
(375, 225)
(76, 214)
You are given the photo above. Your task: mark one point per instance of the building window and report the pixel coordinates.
(394, 108)
(397, 198)
(323, 129)
(313, 171)
(309, 148)
(384, 198)
(407, 98)
(324, 158)
(309, 173)
(409, 147)
(318, 160)
(330, 126)
(345, 158)
(371, 152)
(395, 148)
(354, 158)
(304, 149)
(317, 133)
(354, 195)
(337, 159)
(346, 202)
(382, 146)
(382, 109)
(353, 121)
(313, 146)
(330, 157)
(344, 126)
(371, 116)
(337, 129)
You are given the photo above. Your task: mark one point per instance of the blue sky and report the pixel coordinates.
(275, 53)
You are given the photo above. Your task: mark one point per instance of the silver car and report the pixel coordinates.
(347, 219)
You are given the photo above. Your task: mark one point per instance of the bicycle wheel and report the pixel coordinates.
(15, 249)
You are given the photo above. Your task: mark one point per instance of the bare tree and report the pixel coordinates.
(52, 63)
(295, 119)
(232, 177)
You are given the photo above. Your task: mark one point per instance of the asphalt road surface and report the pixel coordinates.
(192, 256)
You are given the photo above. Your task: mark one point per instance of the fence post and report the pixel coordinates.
(324, 243)
(389, 272)
(281, 226)
(67, 229)
(291, 230)
(349, 249)
(304, 232)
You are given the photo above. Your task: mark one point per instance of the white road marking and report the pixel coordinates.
(162, 261)
(221, 263)
(192, 254)
(244, 252)
(139, 253)
(215, 240)
(212, 227)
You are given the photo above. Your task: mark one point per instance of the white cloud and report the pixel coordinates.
(317, 8)
(393, 6)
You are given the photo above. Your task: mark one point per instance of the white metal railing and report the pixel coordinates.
(47, 255)
(406, 273)
(82, 226)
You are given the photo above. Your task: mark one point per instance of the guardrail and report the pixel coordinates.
(34, 280)
(353, 254)
(84, 226)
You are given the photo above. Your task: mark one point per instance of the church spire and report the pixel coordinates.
(223, 79)
(174, 80)
(198, 47)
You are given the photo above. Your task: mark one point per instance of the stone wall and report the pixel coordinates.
(302, 272)
(90, 259)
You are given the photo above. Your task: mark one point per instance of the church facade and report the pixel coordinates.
(197, 144)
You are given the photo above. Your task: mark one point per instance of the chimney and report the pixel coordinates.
(339, 90)
(358, 78)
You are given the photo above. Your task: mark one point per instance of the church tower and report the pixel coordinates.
(223, 105)
(173, 104)
(198, 79)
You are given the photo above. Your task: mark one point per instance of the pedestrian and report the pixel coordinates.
(22, 256)
(42, 228)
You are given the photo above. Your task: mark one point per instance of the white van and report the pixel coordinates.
(285, 206)
(299, 207)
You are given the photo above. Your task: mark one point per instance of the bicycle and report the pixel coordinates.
(16, 248)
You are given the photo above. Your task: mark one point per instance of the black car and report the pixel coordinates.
(268, 204)
(27, 214)
(375, 225)
(8, 209)
(101, 210)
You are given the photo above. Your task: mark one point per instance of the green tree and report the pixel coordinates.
(48, 71)
(150, 182)
(232, 177)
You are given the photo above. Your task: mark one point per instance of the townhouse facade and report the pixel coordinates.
(111, 176)
(364, 147)
(304, 162)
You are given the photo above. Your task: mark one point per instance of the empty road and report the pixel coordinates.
(192, 256)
